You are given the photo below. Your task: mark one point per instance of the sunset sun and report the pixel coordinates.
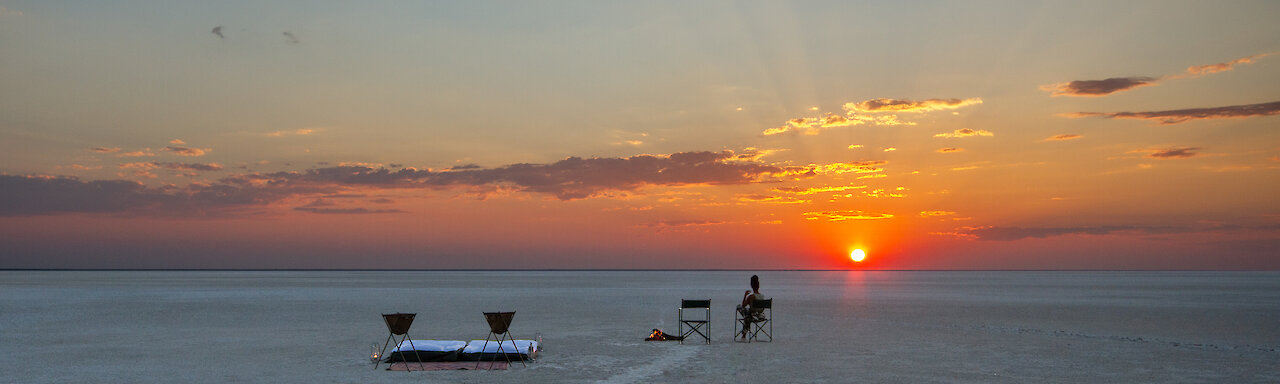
(858, 255)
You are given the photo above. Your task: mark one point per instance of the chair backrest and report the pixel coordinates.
(398, 323)
(686, 304)
(499, 321)
(761, 304)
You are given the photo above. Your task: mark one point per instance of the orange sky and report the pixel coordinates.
(638, 135)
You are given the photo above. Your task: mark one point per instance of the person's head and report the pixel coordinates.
(755, 283)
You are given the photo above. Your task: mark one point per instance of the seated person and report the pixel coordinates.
(748, 313)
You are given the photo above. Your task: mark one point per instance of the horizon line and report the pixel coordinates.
(603, 270)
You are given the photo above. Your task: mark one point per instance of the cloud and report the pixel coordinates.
(1019, 233)
(964, 132)
(299, 132)
(846, 215)
(758, 198)
(218, 31)
(813, 125)
(990, 233)
(177, 142)
(47, 195)
(867, 166)
(1172, 153)
(290, 38)
(568, 179)
(104, 150)
(913, 106)
(328, 207)
(1201, 70)
(348, 211)
(1066, 136)
(10, 12)
(146, 153)
(665, 225)
(936, 213)
(950, 150)
(79, 167)
(855, 146)
(190, 166)
(1183, 115)
(855, 115)
(1098, 88)
(187, 151)
(815, 190)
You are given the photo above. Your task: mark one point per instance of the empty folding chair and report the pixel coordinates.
(697, 315)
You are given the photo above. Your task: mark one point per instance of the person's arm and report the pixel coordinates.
(746, 299)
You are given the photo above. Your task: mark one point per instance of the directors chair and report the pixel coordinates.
(754, 320)
(697, 324)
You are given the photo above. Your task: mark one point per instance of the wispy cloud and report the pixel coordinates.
(1176, 116)
(964, 132)
(297, 132)
(1099, 88)
(936, 213)
(1065, 136)
(877, 112)
(1170, 153)
(759, 198)
(9, 12)
(815, 125)
(187, 151)
(1018, 233)
(1200, 70)
(146, 153)
(328, 207)
(666, 225)
(45, 195)
(190, 166)
(568, 179)
(845, 215)
(816, 190)
(104, 149)
(218, 31)
(177, 142)
(950, 150)
(290, 38)
(910, 106)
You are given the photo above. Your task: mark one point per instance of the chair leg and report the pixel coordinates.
(517, 347)
(486, 345)
(415, 353)
(680, 324)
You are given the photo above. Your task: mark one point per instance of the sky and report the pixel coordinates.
(666, 135)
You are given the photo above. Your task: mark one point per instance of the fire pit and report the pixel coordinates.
(659, 335)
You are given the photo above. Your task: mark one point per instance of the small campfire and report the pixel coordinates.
(659, 335)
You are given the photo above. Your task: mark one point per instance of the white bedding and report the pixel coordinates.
(431, 345)
(522, 346)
